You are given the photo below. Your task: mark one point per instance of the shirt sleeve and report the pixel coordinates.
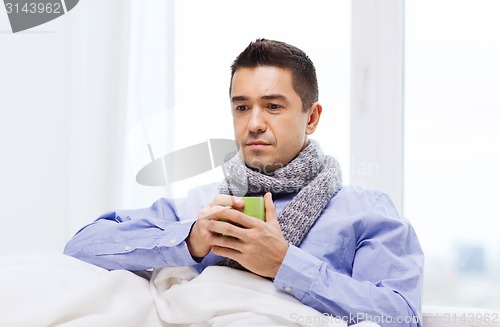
(384, 284)
(135, 239)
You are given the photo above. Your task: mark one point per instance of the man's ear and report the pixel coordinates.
(314, 113)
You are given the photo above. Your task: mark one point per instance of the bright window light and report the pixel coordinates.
(452, 146)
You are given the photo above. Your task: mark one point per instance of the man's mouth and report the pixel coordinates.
(257, 143)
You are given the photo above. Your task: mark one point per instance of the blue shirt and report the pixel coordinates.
(359, 261)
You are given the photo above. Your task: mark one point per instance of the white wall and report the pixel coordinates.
(59, 160)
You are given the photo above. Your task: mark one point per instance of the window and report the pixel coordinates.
(452, 146)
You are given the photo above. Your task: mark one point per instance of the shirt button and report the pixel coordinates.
(288, 289)
(127, 248)
(172, 241)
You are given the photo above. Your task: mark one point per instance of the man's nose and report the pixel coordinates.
(257, 121)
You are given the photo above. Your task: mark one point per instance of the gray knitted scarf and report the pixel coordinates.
(315, 177)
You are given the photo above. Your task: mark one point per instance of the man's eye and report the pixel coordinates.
(273, 106)
(241, 108)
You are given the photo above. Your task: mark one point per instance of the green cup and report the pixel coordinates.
(254, 207)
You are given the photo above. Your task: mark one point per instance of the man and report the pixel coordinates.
(341, 250)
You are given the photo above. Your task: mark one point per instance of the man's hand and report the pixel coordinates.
(258, 246)
(200, 239)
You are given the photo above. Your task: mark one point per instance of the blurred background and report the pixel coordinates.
(409, 91)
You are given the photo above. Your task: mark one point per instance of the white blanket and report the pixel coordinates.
(57, 290)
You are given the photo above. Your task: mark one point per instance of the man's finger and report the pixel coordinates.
(237, 218)
(210, 211)
(227, 200)
(271, 216)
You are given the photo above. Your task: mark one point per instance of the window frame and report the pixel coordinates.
(377, 84)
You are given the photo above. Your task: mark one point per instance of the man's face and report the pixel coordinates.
(270, 126)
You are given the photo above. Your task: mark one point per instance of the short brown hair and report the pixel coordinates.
(265, 52)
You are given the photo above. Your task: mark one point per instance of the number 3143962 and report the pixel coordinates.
(34, 8)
